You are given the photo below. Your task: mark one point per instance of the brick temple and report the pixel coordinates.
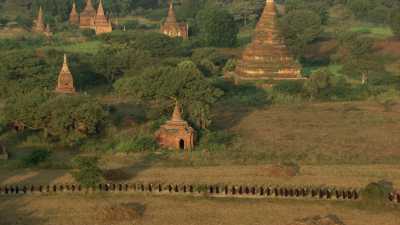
(74, 16)
(90, 18)
(39, 25)
(267, 57)
(101, 23)
(65, 84)
(171, 27)
(176, 133)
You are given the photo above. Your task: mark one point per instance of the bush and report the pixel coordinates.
(137, 144)
(289, 87)
(388, 99)
(36, 157)
(215, 140)
(88, 173)
(377, 192)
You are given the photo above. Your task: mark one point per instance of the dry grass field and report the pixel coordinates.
(134, 209)
(325, 133)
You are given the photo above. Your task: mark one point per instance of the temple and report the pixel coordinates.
(74, 16)
(102, 24)
(176, 133)
(90, 19)
(172, 28)
(39, 26)
(65, 84)
(267, 57)
(87, 16)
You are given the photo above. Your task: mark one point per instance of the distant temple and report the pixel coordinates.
(176, 133)
(267, 57)
(86, 19)
(39, 26)
(90, 19)
(172, 28)
(101, 23)
(65, 84)
(74, 16)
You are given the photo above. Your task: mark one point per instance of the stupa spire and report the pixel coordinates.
(39, 23)
(73, 16)
(171, 13)
(177, 114)
(100, 10)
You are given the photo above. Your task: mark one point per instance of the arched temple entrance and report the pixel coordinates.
(182, 144)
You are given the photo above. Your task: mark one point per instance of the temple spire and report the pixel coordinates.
(73, 16)
(100, 10)
(177, 115)
(171, 13)
(39, 23)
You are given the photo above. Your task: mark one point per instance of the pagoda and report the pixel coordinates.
(102, 24)
(176, 133)
(65, 84)
(74, 16)
(87, 16)
(171, 27)
(267, 57)
(39, 26)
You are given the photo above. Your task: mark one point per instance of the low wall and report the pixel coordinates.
(239, 191)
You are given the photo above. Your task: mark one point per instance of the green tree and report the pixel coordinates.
(356, 53)
(395, 23)
(217, 27)
(184, 83)
(69, 119)
(319, 84)
(87, 171)
(299, 28)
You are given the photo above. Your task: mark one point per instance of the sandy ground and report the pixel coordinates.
(167, 210)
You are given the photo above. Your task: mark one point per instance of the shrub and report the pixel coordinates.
(131, 25)
(388, 99)
(36, 157)
(289, 87)
(137, 144)
(88, 173)
(215, 140)
(377, 192)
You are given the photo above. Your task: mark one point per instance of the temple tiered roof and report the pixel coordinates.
(87, 16)
(102, 24)
(267, 57)
(74, 16)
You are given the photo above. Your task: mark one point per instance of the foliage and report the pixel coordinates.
(215, 140)
(112, 62)
(88, 172)
(388, 98)
(355, 52)
(69, 119)
(36, 157)
(395, 23)
(165, 83)
(140, 143)
(377, 192)
(289, 87)
(244, 95)
(299, 28)
(319, 84)
(217, 27)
